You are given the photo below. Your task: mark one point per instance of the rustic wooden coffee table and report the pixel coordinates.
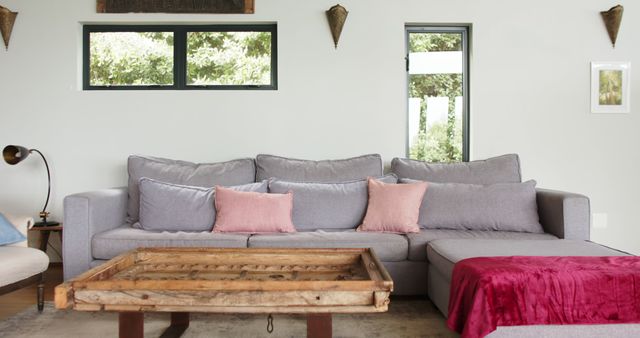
(314, 282)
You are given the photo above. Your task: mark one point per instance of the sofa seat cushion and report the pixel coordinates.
(418, 241)
(109, 244)
(20, 263)
(443, 254)
(388, 247)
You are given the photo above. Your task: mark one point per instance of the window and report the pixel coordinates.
(438, 80)
(180, 57)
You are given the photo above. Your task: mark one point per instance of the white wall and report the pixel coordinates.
(529, 84)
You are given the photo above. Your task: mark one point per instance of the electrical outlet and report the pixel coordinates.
(599, 220)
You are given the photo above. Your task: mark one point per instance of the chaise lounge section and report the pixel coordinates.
(443, 254)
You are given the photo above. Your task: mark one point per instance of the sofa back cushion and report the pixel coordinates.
(327, 205)
(206, 175)
(295, 170)
(501, 169)
(499, 207)
(173, 207)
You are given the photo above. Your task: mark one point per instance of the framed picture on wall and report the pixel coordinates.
(610, 83)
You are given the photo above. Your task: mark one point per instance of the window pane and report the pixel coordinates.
(436, 96)
(229, 58)
(131, 58)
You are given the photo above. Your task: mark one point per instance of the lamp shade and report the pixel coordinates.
(14, 154)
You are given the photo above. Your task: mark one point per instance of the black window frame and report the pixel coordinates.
(465, 30)
(180, 54)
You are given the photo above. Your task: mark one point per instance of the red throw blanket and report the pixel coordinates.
(487, 292)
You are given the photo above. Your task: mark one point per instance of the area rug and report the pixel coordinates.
(406, 318)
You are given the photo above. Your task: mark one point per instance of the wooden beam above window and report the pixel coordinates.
(176, 6)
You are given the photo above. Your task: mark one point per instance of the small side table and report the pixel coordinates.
(44, 235)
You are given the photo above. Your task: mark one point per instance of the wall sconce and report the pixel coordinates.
(337, 15)
(7, 19)
(612, 20)
(16, 154)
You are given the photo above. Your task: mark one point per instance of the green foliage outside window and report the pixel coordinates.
(147, 58)
(442, 141)
(131, 58)
(228, 58)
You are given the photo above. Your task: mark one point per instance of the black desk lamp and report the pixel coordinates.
(16, 154)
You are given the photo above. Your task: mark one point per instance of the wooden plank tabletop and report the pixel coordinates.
(218, 280)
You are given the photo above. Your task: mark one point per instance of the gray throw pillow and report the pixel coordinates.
(173, 207)
(295, 170)
(498, 207)
(327, 205)
(241, 171)
(501, 169)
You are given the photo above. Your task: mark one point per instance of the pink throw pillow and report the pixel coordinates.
(252, 212)
(393, 208)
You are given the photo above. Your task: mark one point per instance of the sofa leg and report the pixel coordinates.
(41, 294)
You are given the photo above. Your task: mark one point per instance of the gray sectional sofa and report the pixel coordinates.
(102, 224)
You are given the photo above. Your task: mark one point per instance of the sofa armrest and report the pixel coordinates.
(86, 214)
(565, 215)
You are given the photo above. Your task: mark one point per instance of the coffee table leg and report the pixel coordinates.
(179, 324)
(131, 324)
(319, 325)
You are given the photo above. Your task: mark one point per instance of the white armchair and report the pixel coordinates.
(22, 266)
